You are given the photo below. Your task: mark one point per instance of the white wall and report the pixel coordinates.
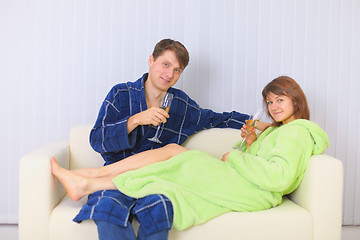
(59, 58)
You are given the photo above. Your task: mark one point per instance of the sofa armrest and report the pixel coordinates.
(39, 191)
(321, 194)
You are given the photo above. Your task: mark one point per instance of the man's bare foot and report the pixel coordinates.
(75, 185)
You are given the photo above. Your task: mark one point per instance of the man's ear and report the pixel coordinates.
(151, 60)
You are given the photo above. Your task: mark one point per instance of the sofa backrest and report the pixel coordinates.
(215, 141)
(81, 153)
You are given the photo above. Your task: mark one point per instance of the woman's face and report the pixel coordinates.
(281, 108)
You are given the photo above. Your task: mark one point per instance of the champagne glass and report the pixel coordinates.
(251, 123)
(166, 106)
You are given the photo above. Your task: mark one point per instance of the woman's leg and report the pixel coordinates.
(133, 162)
(77, 186)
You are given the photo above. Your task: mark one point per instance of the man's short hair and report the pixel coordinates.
(175, 46)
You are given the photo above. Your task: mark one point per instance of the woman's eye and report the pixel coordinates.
(166, 65)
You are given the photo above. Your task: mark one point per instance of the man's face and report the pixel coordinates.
(164, 71)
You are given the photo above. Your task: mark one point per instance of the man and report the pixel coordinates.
(128, 117)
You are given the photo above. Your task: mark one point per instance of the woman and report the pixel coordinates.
(200, 186)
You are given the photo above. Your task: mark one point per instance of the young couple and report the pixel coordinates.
(171, 184)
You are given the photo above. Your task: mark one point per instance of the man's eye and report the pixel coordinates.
(269, 103)
(178, 70)
(166, 65)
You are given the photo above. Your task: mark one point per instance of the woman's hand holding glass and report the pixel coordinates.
(248, 129)
(248, 134)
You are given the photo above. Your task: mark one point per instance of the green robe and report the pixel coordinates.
(202, 187)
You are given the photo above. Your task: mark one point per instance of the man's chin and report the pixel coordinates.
(165, 85)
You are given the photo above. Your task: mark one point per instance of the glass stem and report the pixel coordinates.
(157, 131)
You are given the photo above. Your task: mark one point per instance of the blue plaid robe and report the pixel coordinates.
(109, 137)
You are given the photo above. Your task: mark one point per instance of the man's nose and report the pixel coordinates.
(170, 73)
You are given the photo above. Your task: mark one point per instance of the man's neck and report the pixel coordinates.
(153, 95)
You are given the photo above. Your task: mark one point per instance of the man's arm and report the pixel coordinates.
(153, 116)
(110, 132)
(115, 127)
(211, 119)
(232, 119)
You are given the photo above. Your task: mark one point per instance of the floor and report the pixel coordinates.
(350, 233)
(9, 232)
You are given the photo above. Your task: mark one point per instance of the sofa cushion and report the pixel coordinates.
(284, 222)
(281, 222)
(287, 219)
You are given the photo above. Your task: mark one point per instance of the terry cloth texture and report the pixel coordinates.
(109, 137)
(202, 187)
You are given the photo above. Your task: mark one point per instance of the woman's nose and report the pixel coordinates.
(274, 106)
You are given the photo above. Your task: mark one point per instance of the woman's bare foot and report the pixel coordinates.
(88, 172)
(75, 185)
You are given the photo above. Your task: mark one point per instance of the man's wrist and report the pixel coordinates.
(132, 123)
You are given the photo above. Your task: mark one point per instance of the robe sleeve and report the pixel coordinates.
(278, 167)
(109, 133)
(211, 119)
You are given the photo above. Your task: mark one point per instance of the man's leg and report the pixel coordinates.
(155, 215)
(162, 235)
(109, 231)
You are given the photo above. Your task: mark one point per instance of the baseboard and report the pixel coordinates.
(6, 219)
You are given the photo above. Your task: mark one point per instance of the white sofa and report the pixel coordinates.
(313, 211)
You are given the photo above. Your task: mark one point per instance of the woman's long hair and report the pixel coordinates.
(289, 87)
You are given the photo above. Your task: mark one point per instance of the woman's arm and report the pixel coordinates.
(262, 126)
(277, 162)
(250, 136)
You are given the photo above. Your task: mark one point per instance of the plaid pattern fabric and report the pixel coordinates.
(109, 137)
(154, 212)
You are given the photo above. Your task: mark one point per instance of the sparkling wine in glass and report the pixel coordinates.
(251, 123)
(166, 106)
